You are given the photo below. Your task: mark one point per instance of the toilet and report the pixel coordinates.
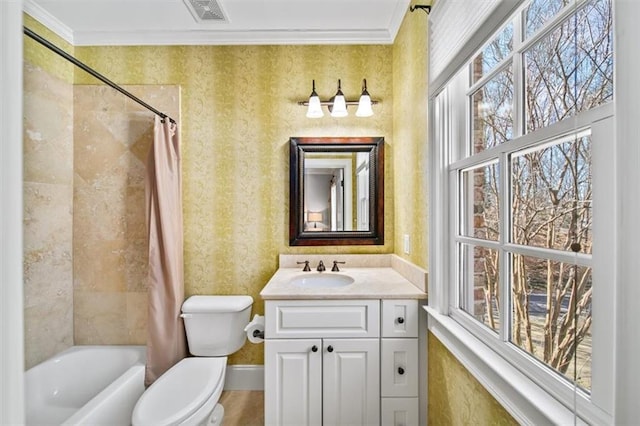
(187, 394)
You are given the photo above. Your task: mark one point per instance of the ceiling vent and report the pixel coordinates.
(205, 10)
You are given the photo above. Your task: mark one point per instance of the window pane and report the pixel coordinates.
(539, 12)
(493, 54)
(552, 315)
(480, 294)
(571, 69)
(492, 108)
(551, 195)
(480, 202)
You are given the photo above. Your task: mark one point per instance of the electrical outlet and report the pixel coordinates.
(407, 244)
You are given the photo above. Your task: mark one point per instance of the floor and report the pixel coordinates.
(243, 408)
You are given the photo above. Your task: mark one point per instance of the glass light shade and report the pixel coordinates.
(339, 108)
(315, 108)
(364, 106)
(339, 104)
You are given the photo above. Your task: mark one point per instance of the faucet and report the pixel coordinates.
(306, 266)
(335, 266)
(321, 267)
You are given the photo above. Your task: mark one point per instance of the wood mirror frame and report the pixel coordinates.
(374, 146)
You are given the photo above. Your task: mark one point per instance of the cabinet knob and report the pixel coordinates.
(314, 348)
(400, 371)
(330, 348)
(400, 320)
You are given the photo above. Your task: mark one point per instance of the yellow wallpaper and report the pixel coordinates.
(455, 396)
(410, 135)
(39, 56)
(238, 110)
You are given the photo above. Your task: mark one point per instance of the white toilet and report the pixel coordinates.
(187, 394)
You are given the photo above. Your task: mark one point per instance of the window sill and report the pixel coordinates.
(527, 402)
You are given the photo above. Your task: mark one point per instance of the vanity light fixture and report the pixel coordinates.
(338, 107)
(364, 104)
(315, 109)
(338, 104)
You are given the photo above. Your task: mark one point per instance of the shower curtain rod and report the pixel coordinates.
(96, 74)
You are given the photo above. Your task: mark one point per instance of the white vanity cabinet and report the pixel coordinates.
(341, 362)
(399, 368)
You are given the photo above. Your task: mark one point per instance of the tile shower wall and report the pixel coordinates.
(48, 213)
(112, 136)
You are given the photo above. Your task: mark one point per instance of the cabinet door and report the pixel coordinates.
(351, 382)
(293, 382)
(399, 367)
(400, 411)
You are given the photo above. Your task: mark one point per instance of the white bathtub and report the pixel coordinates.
(96, 385)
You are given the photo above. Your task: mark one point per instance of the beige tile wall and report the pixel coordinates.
(112, 136)
(48, 214)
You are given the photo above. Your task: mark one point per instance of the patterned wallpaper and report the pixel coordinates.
(41, 57)
(410, 130)
(455, 396)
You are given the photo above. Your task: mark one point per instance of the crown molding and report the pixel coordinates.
(213, 37)
(51, 22)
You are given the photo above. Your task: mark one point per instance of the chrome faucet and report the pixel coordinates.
(321, 267)
(306, 266)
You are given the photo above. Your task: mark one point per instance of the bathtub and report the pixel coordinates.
(85, 385)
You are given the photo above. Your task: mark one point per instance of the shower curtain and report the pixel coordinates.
(166, 343)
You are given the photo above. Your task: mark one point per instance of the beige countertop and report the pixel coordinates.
(369, 283)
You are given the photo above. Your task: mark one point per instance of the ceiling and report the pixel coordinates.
(177, 22)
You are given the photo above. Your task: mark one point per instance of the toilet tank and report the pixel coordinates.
(215, 324)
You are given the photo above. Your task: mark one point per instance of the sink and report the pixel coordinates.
(322, 280)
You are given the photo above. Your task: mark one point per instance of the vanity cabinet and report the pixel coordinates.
(341, 362)
(322, 381)
(399, 362)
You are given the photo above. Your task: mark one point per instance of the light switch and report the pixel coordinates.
(407, 244)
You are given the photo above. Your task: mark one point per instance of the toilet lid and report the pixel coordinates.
(180, 392)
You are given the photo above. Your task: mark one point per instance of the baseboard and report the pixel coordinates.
(244, 377)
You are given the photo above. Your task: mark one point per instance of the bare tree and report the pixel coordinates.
(567, 71)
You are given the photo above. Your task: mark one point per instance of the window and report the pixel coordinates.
(521, 171)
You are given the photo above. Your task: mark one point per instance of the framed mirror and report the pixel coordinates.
(336, 191)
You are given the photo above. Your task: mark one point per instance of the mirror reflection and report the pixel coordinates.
(337, 191)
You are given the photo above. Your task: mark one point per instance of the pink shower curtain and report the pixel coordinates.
(166, 343)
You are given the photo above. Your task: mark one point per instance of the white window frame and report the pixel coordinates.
(525, 387)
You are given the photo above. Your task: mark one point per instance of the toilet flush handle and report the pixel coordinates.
(186, 315)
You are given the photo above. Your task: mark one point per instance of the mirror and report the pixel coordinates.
(336, 191)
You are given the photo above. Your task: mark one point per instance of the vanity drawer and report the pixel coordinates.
(400, 318)
(322, 318)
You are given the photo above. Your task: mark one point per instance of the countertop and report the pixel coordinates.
(369, 283)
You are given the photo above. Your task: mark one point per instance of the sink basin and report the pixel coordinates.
(322, 280)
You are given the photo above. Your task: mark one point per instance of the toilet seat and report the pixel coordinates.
(175, 398)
